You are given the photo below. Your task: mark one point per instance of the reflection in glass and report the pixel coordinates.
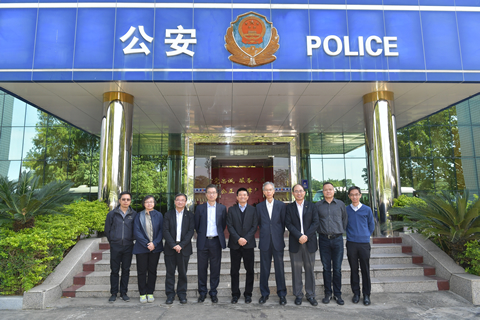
(11, 141)
(422, 173)
(444, 170)
(442, 143)
(13, 112)
(34, 116)
(356, 171)
(11, 169)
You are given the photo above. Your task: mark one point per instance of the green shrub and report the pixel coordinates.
(28, 256)
(470, 258)
(406, 201)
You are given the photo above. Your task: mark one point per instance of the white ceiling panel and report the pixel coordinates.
(287, 89)
(323, 88)
(241, 107)
(250, 89)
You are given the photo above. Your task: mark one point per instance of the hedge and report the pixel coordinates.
(27, 257)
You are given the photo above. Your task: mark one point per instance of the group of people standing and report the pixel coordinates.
(303, 219)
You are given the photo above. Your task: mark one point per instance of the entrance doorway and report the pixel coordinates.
(232, 166)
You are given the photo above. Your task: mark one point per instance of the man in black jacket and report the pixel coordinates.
(178, 225)
(119, 232)
(301, 220)
(242, 224)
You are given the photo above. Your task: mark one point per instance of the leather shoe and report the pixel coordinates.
(112, 298)
(312, 301)
(169, 300)
(183, 300)
(355, 298)
(248, 299)
(283, 301)
(234, 300)
(366, 300)
(327, 299)
(214, 299)
(201, 298)
(263, 299)
(339, 300)
(298, 301)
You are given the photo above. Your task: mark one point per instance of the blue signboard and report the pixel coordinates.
(398, 40)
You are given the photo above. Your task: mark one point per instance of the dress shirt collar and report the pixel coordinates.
(357, 207)
(179, 212)
(242, 208)
(209, 206)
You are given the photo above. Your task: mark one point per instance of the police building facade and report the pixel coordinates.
(167, 96)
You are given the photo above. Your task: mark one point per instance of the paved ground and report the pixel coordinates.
(432, 305)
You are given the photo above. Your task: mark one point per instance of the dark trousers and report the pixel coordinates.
(331, 253)
(359, 252)
(120, 257)
(147, 272)
(211, 254)
(266, 264)
(236, 256)
(180, 262)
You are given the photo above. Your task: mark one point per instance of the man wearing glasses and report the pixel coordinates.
(119, 232)
(210, 223)
(359, 229)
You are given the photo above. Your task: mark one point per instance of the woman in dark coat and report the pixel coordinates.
(147, 229)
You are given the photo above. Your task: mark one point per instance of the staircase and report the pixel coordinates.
(393, 268)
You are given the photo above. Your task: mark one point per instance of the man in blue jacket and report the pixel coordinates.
(359, 228)
(119, 232)
(210, 222)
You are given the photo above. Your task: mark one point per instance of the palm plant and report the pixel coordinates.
(450, 220)
(23, 200)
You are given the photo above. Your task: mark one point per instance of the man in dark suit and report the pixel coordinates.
(271, 219)
(302, 221)
(178, 229)
(242, 225)
(210, 223)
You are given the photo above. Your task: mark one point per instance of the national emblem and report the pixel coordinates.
(252, 40)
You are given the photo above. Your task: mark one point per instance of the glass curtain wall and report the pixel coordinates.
(442, 151)
(32, 140)
(338, 158)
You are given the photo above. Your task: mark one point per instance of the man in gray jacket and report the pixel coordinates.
(119, 232)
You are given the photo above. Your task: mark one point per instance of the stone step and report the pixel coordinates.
(399, 270)
(379, 285)
(376, 249)
(375, 259)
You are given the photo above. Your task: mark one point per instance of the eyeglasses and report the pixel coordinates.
(125, 199)
(298, 191)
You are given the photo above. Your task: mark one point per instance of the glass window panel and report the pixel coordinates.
(352, 141)
(460, 114)
(420, 141)
(440, 118)
(202, 172)
(356, 170)
(462, 141)
(149, 175)
(422, 173)
(335, 173)
(476, 140)
(36, 117)
(332, 145)
(406, 172)
(55, 122)
(466, 174)
(403, 141)
(56, 170)
(444, 170)
(281, 172)
(2, 101)
(58, 139)
(11, 141)
(474, 104)
(34, 143)
(442, 142)
(37, 167)
(358, 152)
(80, 144)
(316, 172)
(81, 173)
(14, 112)
(10, 169)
